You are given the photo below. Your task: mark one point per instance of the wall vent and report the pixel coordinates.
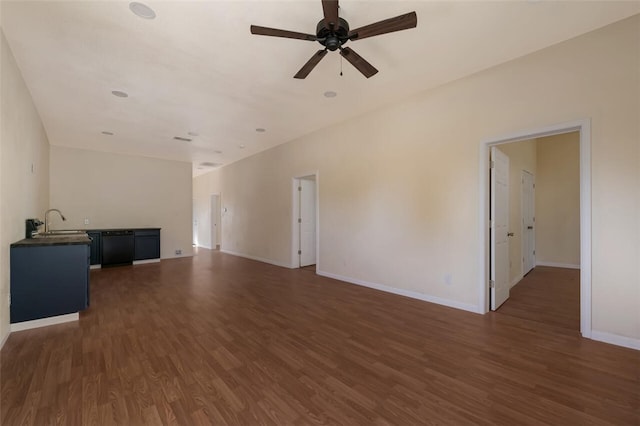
(210, 164)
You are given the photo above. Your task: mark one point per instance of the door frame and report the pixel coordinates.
(295, 228)
(583, 126)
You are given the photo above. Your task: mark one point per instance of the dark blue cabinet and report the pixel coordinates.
(147, 244)
(48, 280)
(95, 247)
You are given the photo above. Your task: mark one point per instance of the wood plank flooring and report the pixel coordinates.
(549, 296)
(218, 339)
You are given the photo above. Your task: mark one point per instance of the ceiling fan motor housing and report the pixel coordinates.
(332, 39)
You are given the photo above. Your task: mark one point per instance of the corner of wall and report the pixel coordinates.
(615, 339)
(3, 339)
(24, 168)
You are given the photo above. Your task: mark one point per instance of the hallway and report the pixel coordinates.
(548, 296)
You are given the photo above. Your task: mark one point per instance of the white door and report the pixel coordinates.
(307, 221)
(215, 213)
(528, 222)
(499, 275)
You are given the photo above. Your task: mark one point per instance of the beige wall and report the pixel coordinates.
(121, 191)
(522, 156)
(24, 168)
(398, 187)
(558, 200)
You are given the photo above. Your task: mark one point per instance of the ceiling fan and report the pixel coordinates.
(333, 32)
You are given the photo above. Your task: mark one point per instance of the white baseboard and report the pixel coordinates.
(142, 262)
(177, 256)
(406, 293)
(259, 259)
(4, 339)
(615, 339)
(27, 325)
(557, 265)
(138, 262)
(516, 280)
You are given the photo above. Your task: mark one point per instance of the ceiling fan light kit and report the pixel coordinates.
(333, 33)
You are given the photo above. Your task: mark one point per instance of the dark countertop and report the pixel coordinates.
(70, 239)
(53, 241)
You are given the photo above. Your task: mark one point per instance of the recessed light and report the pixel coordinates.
(261, 130)
(241, 146)
(330, 94)
(107, 133)
(217, 151)
(119, 93)
(142, 10)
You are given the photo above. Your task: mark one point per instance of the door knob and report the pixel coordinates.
(529, 227)
(510, 234)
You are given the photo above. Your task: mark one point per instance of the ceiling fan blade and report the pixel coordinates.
(399, 23)
(358, 61)
(311, 64)
(274, 32)
(330, 8)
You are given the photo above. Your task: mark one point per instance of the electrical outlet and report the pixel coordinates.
(178, 252)
(9, 299)
(447, 279)
(86, 220)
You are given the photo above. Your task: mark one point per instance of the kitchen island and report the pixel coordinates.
(49, 280)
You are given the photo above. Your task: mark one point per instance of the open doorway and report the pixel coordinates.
(215, 221)
(194, 231)
(550, 295)
(305, 222)
(206, 221)
(581, 221)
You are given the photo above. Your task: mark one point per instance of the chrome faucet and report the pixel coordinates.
(46, 218)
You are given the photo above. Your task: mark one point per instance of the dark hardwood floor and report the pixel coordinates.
(549, 296)
(218, 339)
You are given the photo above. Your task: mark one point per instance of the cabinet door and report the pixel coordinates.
(96, 247)
(147, 244)
(48, 281)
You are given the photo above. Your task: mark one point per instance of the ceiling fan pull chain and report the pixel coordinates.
(340, 66)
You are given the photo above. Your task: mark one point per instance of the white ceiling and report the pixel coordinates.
(196, 67)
